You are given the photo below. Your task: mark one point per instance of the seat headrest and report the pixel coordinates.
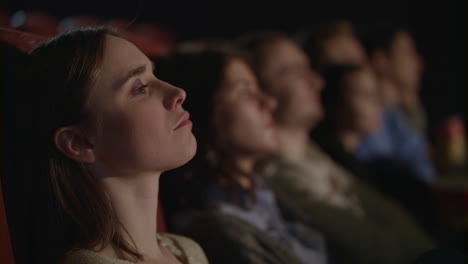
(21, 40)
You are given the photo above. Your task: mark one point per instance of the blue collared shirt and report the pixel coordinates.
(399, 144)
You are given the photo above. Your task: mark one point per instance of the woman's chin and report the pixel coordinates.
(192, 150)
(267, 148)
(188, 154)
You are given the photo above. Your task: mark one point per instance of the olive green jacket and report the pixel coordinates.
(383, 233)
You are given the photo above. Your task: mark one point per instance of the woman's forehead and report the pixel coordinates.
(120, 52)
(284, 53)
(121, 57)
(237, 66)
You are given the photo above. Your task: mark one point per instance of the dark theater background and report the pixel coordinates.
(438, 28)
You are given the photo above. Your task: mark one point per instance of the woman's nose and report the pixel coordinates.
(269, 102)
(174, 97)
(317, 81)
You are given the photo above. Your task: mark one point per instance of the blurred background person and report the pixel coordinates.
(402, 145)
(395, 58)
(360, 224)
(234, 126)
(353, 111)
(335, 42)
(395, 155)
(397, 143)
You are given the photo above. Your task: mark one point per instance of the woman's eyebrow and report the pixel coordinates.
(132, 73)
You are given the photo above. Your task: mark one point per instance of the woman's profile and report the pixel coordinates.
(105, 128)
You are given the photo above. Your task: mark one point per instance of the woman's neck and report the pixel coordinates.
(391, 96)
(349, 140)
(410, 101)
(135, 203)
(293, 142)
(246, 166)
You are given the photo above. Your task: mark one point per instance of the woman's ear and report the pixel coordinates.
(74, 144)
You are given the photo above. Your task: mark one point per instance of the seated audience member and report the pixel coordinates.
(353, 110)
(234, 129)
(360, 224)
(102, 130)
(393, 54)
(331, 42)
(334, 42)
(398, 68)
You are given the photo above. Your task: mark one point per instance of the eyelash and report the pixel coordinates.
(245, 93)
(140, 89)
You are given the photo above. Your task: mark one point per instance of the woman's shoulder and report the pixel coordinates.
(183, 248)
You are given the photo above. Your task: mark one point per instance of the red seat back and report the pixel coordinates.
(35, 22)
(161, 223)
(22, 40)
(6, 252)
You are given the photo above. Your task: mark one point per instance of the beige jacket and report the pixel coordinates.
(186, 250)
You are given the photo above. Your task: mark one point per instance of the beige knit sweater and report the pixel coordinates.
(185, 249)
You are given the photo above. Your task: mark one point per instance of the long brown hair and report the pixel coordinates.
(255, 44)
(199, 70)
(70, 206)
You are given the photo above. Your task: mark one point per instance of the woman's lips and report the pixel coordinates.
(270, 123)
(183, 121)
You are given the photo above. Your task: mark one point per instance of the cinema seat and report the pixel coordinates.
(35, 22)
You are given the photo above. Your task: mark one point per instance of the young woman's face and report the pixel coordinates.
(137, 121)
(243, 113)
(363, 110)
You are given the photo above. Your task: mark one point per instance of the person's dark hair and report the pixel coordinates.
(199, 68)
(70, 205)
(335, 89)
(313, 39)
(333, 97)
(380, 36)
(254, 44)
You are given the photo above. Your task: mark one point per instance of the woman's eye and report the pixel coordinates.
(140, 89)
(245, 93)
